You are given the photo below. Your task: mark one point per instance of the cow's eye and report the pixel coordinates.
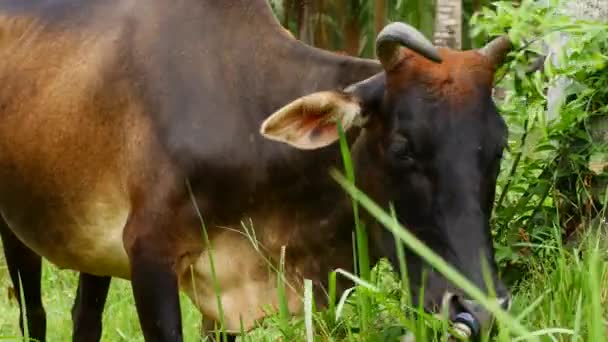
(401, 150)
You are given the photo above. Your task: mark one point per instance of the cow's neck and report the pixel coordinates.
(208, 105)
(233, 66)
(274, 68)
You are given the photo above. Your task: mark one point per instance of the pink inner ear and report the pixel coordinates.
(309, 122)
(313, 123)
(323, 129)
(314, 128)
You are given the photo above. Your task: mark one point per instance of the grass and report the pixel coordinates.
(59, 289)
(564, 298)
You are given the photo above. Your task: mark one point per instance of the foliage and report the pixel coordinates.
(546, 177)
(335, 16)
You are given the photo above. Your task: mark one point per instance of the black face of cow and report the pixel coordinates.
(441, 158)
(431, 146)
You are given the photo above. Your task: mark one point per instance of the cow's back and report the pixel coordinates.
(70, 125)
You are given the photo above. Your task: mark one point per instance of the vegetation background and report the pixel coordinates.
(549, 220)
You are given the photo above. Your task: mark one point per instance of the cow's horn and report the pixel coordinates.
(395, 37)
(497, 49)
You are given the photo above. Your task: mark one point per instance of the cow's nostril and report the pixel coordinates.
(466, 325)
(505, 303)
(464, 321)
(468, 317)
(471, 318)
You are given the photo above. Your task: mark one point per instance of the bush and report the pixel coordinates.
(552, 174)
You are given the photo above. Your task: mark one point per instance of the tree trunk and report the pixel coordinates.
(352, 28)
(304, 22)
(588, 9)
(476, 6)
(287, 8)
(379, 15)
(321, 35)
(448, 24)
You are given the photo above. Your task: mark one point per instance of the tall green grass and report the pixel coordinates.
(361, 246)
(563, 298)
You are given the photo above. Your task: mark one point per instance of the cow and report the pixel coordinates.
(123, 120)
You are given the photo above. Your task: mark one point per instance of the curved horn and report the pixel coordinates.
(396, 36)
(497, 50)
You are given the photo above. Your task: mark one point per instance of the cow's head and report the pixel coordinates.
(431, 145)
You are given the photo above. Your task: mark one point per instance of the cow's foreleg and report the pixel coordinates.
(88, 307)
(25, 266)
(156, 297)
(150, 243)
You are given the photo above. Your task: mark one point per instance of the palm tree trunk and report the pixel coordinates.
(287, 8)
(304, 23)
(448, 24)
(379, 15)
(476, 6)
(352, 28)
(321, 34)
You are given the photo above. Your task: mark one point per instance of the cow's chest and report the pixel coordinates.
(242, 278)
(246, 265)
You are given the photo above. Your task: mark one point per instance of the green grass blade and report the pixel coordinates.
(216, 285)
(283, 307)
(342, 302)
(308, 310)
(596, 327)
(361, 235)
(332, 294)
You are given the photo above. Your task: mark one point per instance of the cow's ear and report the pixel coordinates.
(310, 122)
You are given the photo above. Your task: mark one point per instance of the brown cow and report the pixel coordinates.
(108, 107)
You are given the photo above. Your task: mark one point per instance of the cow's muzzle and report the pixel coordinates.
(469, 318)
